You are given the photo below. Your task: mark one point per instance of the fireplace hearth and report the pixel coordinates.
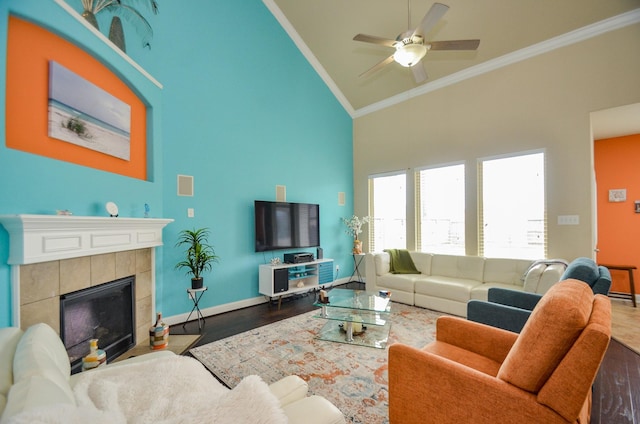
(105, 312)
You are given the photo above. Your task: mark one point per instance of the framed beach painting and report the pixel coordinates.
(83, 114)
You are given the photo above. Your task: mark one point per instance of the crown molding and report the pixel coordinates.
(576, 36)
(572, 37)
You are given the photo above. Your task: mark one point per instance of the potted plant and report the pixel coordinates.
(127, 12)
(200, 255)
(354, 227)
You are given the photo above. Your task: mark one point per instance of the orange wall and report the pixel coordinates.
(29, 50)
(617, 164)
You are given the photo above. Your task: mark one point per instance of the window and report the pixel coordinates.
(512, 207)
(441, 205)
(388, 211)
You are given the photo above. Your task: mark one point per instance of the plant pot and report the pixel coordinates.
(197, 283)
(357, 247)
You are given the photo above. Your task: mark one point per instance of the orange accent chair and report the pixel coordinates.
(475, 373)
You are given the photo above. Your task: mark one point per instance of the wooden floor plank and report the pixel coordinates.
(632, 359)
(613, 389)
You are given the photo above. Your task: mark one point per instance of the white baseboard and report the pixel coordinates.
(215, 310)
(227, 307)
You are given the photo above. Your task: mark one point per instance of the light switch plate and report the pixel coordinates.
(568, 219)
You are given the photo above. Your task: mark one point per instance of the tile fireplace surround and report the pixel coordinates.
(52, 255)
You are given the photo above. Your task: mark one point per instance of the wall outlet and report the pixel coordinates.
(337, 268)
(190, 213)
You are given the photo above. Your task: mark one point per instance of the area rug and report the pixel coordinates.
(354, 378)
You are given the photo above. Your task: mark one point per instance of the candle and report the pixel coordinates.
(356, 323)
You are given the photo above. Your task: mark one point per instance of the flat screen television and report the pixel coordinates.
(284, 225)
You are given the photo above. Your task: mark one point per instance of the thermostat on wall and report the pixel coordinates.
(618, 195)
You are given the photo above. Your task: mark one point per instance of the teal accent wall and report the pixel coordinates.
(241, 110)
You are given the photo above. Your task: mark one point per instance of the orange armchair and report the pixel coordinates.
(474, 373)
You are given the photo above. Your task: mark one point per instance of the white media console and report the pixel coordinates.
(284, 279)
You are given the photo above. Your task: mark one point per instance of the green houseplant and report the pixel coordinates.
(199, 256)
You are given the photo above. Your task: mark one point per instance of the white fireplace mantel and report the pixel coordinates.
(43, 238)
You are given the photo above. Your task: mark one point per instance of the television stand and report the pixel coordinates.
(287, 279)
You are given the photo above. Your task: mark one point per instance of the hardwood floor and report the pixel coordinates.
(616, 391)
(218, 327)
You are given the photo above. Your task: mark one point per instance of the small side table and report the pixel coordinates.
(357, 262)
(632, 286)
(195, 295)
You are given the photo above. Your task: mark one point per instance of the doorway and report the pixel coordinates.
(616, 155)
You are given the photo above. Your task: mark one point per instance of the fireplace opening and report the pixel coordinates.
(105, 312)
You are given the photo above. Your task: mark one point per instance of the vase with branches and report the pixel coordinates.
(354, 227)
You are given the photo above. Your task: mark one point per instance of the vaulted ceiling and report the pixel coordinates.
(508, 30)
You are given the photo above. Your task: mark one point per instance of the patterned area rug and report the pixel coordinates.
(354, 378)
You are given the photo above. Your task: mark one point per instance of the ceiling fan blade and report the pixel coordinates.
(454, 45)
(375, 40)
(419, 73)
(432, 17)
(377, 67)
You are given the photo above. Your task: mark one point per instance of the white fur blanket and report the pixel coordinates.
(161, 391)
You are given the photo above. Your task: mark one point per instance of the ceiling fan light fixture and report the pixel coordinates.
(409, 54)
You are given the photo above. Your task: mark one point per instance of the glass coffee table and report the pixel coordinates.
(355, 317)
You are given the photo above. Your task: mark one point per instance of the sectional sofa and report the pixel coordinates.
(447, 282)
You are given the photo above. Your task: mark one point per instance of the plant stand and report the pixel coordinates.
(357, 263)
(195, 295)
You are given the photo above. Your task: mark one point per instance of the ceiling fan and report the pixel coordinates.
(411, 46)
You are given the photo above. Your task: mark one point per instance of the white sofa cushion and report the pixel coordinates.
(401, 282)
(481, 292)
(41, 371)
(505, 271)
(422, 261)
(41, 352)
(457, 289)
(383, 263)
(9, 338)
(532, 278)
(35, 391)
(550, 275)
(313, 410)
(289, 389)
(459, 267)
